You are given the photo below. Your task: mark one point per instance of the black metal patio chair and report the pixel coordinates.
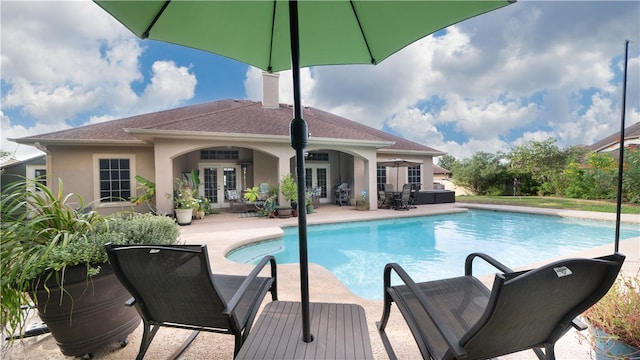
(461, 318)
(402, 203)
(172, 286)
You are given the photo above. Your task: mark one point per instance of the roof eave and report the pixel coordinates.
(378, 144)
(149, 135)
(412, 152)
(37, 142)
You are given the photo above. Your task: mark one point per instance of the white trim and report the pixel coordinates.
(30, 171)
(314, 176)
(96, 178)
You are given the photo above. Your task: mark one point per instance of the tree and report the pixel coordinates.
(631, 177)
(4, 155)
(539, 164)
(448, 162)
(484, 174)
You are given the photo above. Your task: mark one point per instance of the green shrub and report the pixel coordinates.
(139, 229)
(43, 232)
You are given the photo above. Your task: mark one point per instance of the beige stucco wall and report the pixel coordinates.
(267, 161)
(426, 172)
(76, 167)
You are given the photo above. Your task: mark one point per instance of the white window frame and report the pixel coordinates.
(31, 174)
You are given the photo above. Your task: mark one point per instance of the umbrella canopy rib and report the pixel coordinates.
(145, 34)
(273, 27)
(364, 36)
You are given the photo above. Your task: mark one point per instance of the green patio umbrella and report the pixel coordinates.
(278, 34)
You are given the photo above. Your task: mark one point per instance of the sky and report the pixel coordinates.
(529, 71)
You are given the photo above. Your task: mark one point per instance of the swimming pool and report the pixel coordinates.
(434, 247)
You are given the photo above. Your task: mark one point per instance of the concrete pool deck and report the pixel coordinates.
(225, 231)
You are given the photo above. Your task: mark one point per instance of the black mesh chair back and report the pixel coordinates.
(536, 307)
(172, 285)
(461, 318)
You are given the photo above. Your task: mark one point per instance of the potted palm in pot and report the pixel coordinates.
(289, 189)
(614, 321)
(53, 257)
(185, 202)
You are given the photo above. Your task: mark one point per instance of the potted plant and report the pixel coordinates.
(53, 256)
(308, 201)
(266, 207)
(362, 203)
(289, 189)
(614, 321)
(204, 207)
(185, 202)
(269, 207)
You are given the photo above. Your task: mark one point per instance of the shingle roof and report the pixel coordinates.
(631, 132)
(440, 170)
(227, 116)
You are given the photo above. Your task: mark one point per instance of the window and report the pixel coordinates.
(114, 178)
(37, 173)
(381, 176)
(317, 156)
(219, 155)
(41, 176)
(415, 176)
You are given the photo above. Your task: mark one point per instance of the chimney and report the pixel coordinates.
(270, 90)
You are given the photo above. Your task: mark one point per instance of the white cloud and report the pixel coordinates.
(70, 63)
(530, 70)
(170, 85)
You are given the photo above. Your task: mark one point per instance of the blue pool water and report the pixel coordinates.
(434, 247)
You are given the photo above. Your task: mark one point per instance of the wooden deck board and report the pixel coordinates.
(339, 332)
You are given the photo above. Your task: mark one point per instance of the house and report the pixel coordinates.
(440, 175)
(31, 168)
(234, 144)
(611, 143)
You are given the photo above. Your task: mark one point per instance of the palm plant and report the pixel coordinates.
(43, 233)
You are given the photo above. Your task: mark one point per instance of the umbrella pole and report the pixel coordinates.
(621, 156)
(299, 138)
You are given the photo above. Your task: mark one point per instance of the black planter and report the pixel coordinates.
(91, 313)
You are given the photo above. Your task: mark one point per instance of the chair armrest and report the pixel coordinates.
(235, 299)
(447, 334)
(579, 325)
(495, 263)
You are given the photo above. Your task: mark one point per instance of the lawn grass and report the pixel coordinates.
(552, 202)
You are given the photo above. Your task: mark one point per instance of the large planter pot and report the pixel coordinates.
(184, 216)
(285, 212)
(606, 347)
(89, 314)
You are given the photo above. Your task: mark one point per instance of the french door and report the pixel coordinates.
(317, 176)
(215, 180)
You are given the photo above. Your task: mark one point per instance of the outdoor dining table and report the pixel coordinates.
(393, 198)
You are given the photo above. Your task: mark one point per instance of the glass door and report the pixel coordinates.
(216, 180)
(317, 176)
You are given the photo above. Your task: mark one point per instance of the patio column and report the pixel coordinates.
(370, 166)
(365, 178)
(164, 182)
(284, 167)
